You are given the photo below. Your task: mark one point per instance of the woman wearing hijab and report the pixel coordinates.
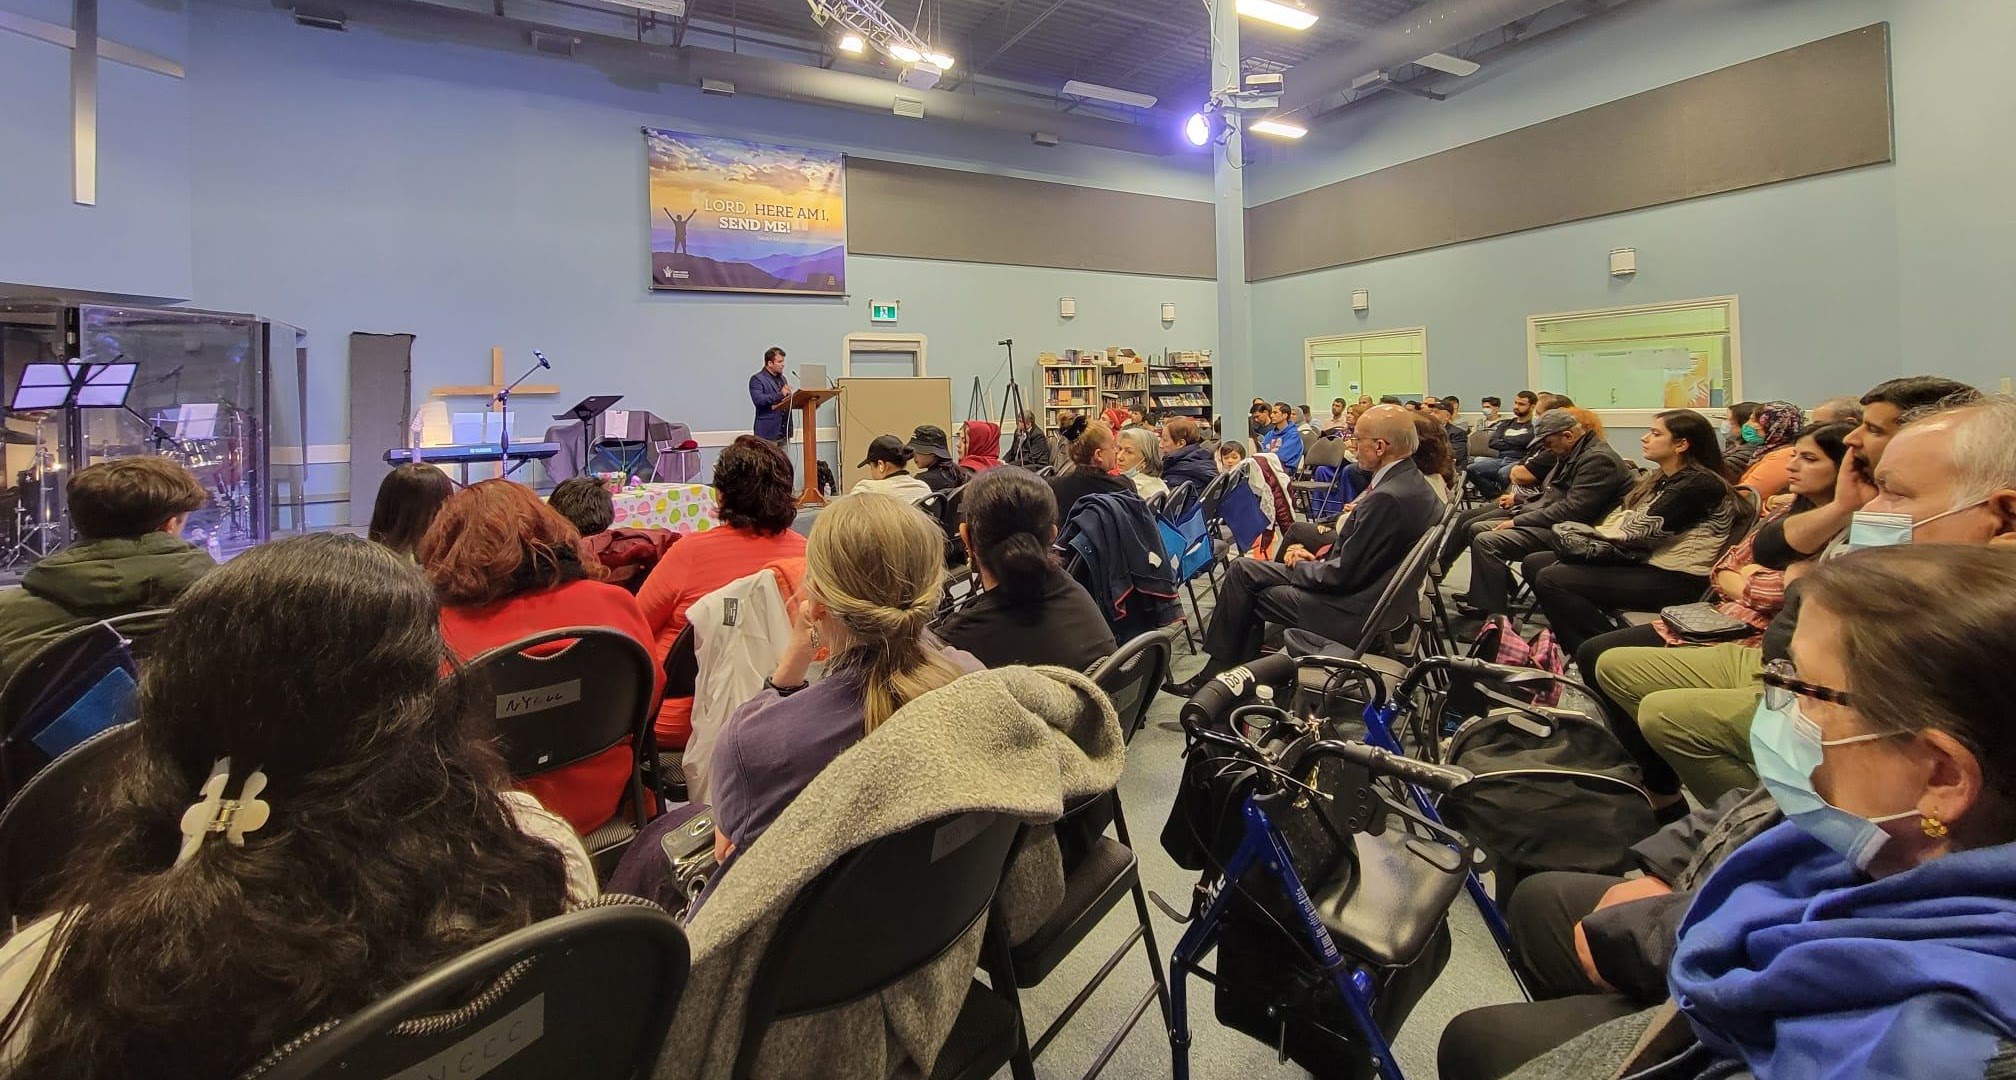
(1767, 448)
(982, 439)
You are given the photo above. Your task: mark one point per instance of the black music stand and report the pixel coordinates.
(73, 387)
(586, 411)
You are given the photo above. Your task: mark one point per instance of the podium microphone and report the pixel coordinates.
(1006, 341)
(543, 362)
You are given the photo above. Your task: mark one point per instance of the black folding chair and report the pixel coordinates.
(566, 695)
(73, 687)
(1099, 871)
(587, 995)
(46, 822)
(881, 913)
(1382, 644)
(1320, 453)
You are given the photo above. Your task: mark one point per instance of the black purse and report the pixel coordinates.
(1701, 624)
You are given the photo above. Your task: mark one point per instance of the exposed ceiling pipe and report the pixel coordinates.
(1432, 27)
(757, 75)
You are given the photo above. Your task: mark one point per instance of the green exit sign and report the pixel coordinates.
(880, 312)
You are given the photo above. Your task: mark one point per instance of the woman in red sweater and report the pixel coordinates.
(505, 567)
(752, 485)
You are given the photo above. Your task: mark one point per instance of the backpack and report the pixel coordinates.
(1555, 791)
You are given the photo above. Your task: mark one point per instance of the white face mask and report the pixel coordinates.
(1875, 528)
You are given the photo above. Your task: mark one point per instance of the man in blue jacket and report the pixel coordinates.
(770, 392)
(1283, 439)
(1510, 439)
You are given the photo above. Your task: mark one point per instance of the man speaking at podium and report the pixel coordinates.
(770, 392)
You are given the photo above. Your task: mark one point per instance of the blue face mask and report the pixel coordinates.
(1871, 528)
(1787, 748)
(1750, 435)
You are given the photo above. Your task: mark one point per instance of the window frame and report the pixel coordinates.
(1320, 410)
(1639, 418)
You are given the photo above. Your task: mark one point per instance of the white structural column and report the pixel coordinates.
(1234, 360)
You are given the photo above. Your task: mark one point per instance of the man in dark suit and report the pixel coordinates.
(1586, 483)
(770, 393)
(1330, 594)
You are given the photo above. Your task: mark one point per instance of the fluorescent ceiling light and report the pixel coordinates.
(1288, 15)
(853, 43)
(1280, 129)
(1448, 65)
(940, 61)
(1096, 92)
(905, 53)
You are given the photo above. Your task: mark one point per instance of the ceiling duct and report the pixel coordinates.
(763, 77)
(1430, 28)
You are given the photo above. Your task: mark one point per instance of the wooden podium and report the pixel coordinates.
(807, 403)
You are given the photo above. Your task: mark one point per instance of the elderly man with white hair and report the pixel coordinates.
(1330, 594)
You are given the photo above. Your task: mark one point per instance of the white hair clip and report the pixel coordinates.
(214, 813)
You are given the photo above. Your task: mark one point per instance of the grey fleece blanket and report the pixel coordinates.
(1018, 741)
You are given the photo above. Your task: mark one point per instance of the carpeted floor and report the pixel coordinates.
(1476, 974)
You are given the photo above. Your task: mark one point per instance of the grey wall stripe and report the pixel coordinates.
(918, 212)
(1818, 108)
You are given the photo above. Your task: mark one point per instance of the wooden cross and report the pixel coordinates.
(496, 383)
(86, 47)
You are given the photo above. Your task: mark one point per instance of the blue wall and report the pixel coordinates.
(1844, 280)
(360, 181)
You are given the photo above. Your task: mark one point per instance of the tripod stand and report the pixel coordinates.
(1012, 408)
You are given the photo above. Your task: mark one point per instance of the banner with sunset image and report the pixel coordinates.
(735, 216)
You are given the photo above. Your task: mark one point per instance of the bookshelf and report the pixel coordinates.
(1175, 383)
(1180, 384)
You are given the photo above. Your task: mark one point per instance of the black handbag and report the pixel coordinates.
(1701, 624)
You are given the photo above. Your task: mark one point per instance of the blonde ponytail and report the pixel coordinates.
(877, 564)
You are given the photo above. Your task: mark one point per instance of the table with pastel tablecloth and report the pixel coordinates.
(682, 508)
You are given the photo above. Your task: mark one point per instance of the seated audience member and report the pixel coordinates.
(628, 554)
(1305, 423)
(1030, 611)
(888, 473)
(1329, 595)
(1488, 410)
(375, 839)
(935, 465)
(1836, 410)
(408, 499)
(1259, 418)
(1031, 447)
(1510, 437)
(982, 442)
(1230, 453)
(1868, 934)
(1185, 458)
(1093, 458)
(1585, 483)
(1655, 550)
(1283, 439)
(752, 483)
(873, 570)
(1139, 458)
(506, 567)
(1455, 433)
(1732, 431)
(1433, 456)
(1115, 414)
(129, 555)
(1339, 423)
(1749, 584)
(1070, 425)
(1778, 422)
(1948, 472)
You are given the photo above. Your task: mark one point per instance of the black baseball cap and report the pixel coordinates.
(929, 439)
(887, 448)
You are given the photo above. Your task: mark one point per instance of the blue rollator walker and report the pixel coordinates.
(1367, 926)
(1318, 813)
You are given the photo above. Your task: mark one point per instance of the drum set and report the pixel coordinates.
(33, 513)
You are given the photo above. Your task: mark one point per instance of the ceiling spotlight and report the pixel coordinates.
(1197, 129)
(853, 43)
(1291, 16)
(905, 53)
(1280, 129)
(939, 60)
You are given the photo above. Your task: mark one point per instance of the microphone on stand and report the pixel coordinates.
(543, 362)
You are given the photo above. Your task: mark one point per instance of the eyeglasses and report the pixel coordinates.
(1782, 684)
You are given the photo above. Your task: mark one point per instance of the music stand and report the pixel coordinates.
(586, 411)
(73, 387)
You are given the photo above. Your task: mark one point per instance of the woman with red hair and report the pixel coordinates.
(506, 566)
